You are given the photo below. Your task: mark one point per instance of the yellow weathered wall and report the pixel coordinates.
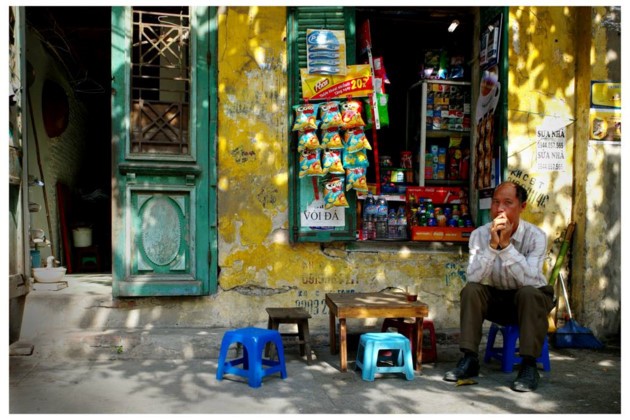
(541, 91)
(259, 267)
(555, 52)
(596, 270)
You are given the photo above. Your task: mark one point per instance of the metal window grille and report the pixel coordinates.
(160, 81)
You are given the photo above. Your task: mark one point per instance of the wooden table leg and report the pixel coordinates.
(417, 362)
(343, 345)
(332, 334)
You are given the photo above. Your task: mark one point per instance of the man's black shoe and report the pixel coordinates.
(467, 367)
(527, 379)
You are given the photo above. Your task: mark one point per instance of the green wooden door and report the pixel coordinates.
(163, 122)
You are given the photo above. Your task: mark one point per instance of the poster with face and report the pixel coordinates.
(489, 93)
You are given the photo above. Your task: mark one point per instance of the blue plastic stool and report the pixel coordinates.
(254, 341)
(367, 355)
(507, 354)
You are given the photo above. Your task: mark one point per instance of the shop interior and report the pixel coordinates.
(410, 40)
(402, 36)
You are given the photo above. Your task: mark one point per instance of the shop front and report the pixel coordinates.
(266, 156)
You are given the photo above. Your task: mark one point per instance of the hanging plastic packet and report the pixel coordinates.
(351, 114)
(355, 160)
(331, 162)
(307, 140)
(333, 194)
(331, 139)
(330, 115)
(356, 141)
(310, 164)
(305, 117)
(355, 178)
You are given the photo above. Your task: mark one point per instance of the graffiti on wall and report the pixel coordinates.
(454, 272)
(314, 301)
(536, 188)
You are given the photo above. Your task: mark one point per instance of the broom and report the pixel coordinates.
(564, 248)
(573, 335)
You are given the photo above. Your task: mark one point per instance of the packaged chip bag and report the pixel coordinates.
(331, 139)
(351, 114)
(355, 140)
(305, 117)
(307, 140)
(355, 178)
(333, 193)
(330, 115)
(331, 162)
(310, 164)
(355, 160)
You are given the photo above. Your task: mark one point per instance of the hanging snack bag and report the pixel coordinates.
(330, 115)
(305, 117)
(355, 160)
(333, 194)
(307, 140)
(310, 164)
(331, 139)
(331, 162)
(351, 114)
(356, 141)
(355, 178)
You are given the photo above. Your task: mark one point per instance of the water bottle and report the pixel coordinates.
(402, 224)
(381, 217)
(392, 224)
(369, 212)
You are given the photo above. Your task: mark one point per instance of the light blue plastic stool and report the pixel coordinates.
(367, 355)
(508, 354)
(254, 341)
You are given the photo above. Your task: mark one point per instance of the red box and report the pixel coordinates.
(442, 234)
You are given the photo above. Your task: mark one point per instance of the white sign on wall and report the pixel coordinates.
(316, 215)
(550, 149)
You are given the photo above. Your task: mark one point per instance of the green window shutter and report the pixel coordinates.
(301, 190)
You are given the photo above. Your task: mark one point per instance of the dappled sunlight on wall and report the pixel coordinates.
(541, 96)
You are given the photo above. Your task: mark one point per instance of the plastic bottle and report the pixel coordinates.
(381, 217)
(392, 224)
(402, 224)
(369, 212)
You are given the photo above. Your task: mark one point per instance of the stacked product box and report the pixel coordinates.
(448, 107)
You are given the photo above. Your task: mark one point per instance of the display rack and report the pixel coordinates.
(417, 125)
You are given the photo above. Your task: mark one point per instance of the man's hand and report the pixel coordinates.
(500, 232)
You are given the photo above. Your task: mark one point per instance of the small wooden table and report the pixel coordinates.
(371, 305)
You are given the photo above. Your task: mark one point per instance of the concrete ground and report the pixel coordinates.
(580, 382)
(159, 373)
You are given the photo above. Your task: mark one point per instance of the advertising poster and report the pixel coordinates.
(550, 149)
(605, 112)
(357, 82)
(489, 93)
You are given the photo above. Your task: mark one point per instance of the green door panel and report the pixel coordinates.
(163, 128)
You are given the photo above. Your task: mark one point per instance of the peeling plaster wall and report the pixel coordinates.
(549, 85)
(597, 287)
(259, 267)
(541, 94)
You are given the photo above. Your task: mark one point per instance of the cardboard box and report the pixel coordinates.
(442, 234)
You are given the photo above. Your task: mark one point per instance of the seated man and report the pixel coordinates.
(505, 284)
